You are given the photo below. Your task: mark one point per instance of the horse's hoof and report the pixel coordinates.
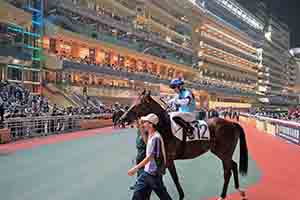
(242, 193)
(181, 197)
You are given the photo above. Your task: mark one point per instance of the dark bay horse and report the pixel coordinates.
(223, 141)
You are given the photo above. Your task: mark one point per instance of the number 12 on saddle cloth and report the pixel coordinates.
(200, 132)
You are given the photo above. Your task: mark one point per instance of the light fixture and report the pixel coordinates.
(15, 61)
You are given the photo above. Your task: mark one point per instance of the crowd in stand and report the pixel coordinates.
(205, 82)
(238, 87)
(17, 101)
(88, 61)
(292, 115)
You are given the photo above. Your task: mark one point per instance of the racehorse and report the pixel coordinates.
(224, 136)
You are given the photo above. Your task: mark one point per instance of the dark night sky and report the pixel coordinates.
(289, 12)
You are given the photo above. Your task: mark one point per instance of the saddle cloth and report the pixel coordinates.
(201, 131)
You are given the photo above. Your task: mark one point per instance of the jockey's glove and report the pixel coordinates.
(182, 102)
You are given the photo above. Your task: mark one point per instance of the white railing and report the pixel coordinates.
(27, 127)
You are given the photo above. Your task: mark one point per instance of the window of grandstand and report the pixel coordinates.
(114, 59)
(2, 66)
(46, 43)
(100, 56)
(14, 73)
(83, 52)
(65, 49)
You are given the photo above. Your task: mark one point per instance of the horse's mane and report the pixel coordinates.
(164, 130)
(158, 100)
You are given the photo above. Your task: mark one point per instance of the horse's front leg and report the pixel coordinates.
(173, 172)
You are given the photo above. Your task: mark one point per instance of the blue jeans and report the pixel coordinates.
(146, 183)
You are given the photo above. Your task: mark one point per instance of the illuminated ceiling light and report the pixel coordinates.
(15, 61)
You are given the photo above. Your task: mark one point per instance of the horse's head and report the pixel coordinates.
(143, 105)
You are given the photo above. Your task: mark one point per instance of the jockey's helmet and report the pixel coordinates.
(176, 83)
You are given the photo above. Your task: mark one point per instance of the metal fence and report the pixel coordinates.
(46, 125)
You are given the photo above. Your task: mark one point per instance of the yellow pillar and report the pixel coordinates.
(75, 50)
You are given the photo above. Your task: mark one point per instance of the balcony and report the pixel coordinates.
(146, 77)
(229, 48)
(167, 14)
(11, 14)
(270, 52)
(15, 52)
(281, 82)
(280, 43)
(52, 62)
(276, 85)
(217, 12)
(109, 71)
(94, 15)
(276, 73)
(108, 37)
(276, 43)
(125, 26)
(272, 65)
(216, 54)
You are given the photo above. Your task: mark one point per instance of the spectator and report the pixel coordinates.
(152, 176)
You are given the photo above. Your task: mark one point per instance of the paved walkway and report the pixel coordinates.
(93, 164)
(279, 163)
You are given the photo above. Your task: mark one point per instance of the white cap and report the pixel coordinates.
(152, 118)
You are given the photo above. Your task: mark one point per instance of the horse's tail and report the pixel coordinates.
(243, 151)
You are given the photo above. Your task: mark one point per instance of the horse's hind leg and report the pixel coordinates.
(173, 172)
(236, 180)
(227, 165)
(235, 175)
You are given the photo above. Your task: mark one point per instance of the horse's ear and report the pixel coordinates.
(143, 93)
(149, 93)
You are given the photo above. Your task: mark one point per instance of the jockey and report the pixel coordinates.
(184, 100)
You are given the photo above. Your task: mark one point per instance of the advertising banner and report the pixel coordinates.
(289, 132)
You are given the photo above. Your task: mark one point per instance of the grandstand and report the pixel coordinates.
(116, 48)
(70, 69)
(295, 61)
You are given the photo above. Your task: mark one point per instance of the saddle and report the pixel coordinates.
(186, 127)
